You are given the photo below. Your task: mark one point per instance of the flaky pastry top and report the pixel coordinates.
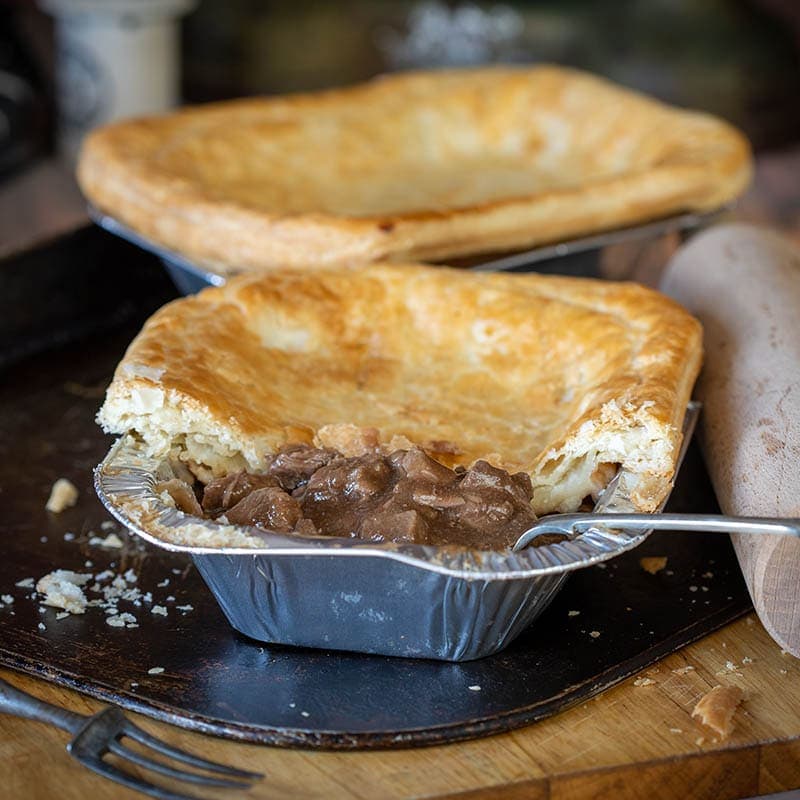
(414, 166)
(564, 378)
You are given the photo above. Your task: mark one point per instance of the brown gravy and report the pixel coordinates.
(405, 496)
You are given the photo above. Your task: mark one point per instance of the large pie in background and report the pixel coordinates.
(415, 166)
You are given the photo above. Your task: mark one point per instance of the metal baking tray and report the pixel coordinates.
(447, 603)
(189, 277)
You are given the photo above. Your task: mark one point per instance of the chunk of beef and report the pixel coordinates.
(224, 493)
(294, 465)
(395, 526)
(269, 508)
(182, 495)
(418, 465)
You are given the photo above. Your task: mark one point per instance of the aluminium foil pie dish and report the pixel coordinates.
(575, 388)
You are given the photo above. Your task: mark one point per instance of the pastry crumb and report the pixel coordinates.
(111, 541)
(653, 564)
(124, 620)
(594, 634)
(63, 495)
(573, 613)
(25, 583)
(161, 610)
(62, 589)
(644, 682)
(684, 670)
(699, 740)
(42, 626)
(692, 588)
(155, 670)
(474, 688)
(717, 707)
(675, 730)
(747, 660)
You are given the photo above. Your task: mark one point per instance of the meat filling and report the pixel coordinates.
(405, 496)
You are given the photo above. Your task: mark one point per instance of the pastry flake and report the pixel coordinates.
(717, 707)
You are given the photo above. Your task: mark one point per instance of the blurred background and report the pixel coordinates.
(66, 65)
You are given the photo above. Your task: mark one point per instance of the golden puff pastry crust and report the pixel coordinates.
(563, 378)
(416, 166)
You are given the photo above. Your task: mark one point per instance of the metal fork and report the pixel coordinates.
(575, 524)
(95, 736)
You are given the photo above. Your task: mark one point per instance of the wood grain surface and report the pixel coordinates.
(633, 741)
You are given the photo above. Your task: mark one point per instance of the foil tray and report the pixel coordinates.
(420, 601)
(189, 277)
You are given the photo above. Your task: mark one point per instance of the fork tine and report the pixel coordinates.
(120, 750)
(137, 784)
(137, 734)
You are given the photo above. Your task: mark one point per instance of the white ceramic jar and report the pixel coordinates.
(114, 59)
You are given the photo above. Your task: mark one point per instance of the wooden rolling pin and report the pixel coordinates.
(743, 283)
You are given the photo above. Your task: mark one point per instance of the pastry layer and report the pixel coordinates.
(414, 166)
(562, 378)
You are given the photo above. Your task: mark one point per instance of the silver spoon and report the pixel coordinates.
(575, 524)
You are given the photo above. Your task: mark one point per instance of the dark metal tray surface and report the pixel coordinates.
(221, 682)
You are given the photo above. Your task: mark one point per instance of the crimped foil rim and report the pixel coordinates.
(127, 475)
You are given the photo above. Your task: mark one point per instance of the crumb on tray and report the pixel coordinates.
(112, 540)
(63, 495)
(644, 682)
(717, 707)
(62, 589)
(653, 564)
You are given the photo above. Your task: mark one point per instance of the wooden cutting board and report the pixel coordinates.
(633, 741)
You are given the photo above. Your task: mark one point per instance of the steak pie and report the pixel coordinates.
(416, 166)
(408, 402)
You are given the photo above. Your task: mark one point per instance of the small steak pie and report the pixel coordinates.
(424, 165)
(364, 378)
